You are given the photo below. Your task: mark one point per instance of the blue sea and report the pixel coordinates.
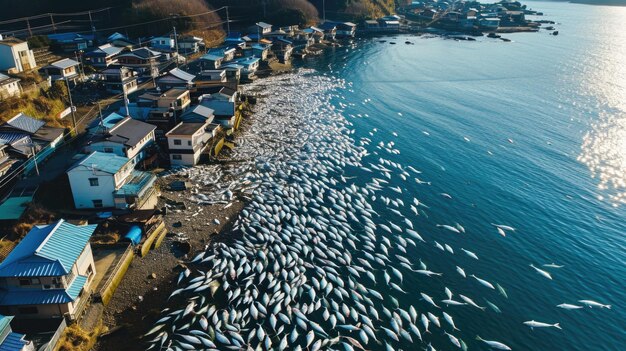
(529, 133)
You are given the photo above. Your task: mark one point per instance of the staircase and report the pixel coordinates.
(44, 57)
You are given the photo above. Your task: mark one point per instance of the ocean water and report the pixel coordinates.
(561, 183)
(529, 134)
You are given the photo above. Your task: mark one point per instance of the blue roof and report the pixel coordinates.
(105, 162)
(66, 37)
(47, 250)
(5, 321)
(107, 122)
(25, 123)
(34, 297)
(138, 182)
(13, 342)
(247, 61)
(77, 285)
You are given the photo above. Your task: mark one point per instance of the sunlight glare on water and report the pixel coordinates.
(604, 145)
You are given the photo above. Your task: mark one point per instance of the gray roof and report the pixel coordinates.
(24, 123)
(264, 25)
(64, 63)
(186, 128)
(200, 110)
(182, 75)
(106, 49)
(130, 131)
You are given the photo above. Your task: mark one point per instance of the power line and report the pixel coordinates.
(43, 15)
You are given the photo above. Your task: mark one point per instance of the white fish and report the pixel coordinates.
(449, 227)
(542, 272)
(535, 324)
(567, 306)
(429, 299)
(553, 265)
(484, 282)
(494, 344)
(461, 271)
(503, 227)
(470, 254)
(592, 303)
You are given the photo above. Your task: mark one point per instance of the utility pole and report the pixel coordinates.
(69, 94)
(126, 103)
(54, 28)
(176, 45)
(30, 32)
(227, 23)
(32, 149)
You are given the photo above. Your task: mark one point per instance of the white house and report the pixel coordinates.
(62, 69)
(105, 180)
(128, 138)
(49, 273)
(186, 142)
(9, 86)
(162, 43)
(15, 56)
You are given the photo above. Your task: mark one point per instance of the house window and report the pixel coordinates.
(93, 182)
(97, 203)
(28, 310)
(89, 271)
(108, 150)
(177, 157)
(189, 142)
(177, 142)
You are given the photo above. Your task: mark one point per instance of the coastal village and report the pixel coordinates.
(94, 218)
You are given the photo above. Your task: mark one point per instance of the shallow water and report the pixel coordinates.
(559, 182)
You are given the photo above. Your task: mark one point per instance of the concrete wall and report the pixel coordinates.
(186, 159)
(84, 193)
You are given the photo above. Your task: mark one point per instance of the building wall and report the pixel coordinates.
(84, 193)
(132, 152)
(106, 147)
(11, 89)
(7, 61)
(186, 159)
(43, 311)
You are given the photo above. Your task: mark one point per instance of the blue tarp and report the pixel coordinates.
(134, 235)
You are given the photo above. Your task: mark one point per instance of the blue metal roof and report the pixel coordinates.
(105, 162)
(13, 342)
(34, 297)
(77, 285)
(5, 322)
(25, 123)
(47, 251)
(137, 184)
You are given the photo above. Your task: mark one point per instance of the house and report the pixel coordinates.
(346, 30)
(259, 50)
(71, 42)
(389, 24)
(261, 28)
(128, 138)
(220, 93)
(330, 30)
(283, 49)
(190, 45)
(316, 33)
(28, 136)
(233, 72)
(15, 56)
(163, 43)
(142, 60)
(228, 53)
(198, 114)
(176, 78)
(223, 110)
(120, 40)
(187, 142)
(119, 79)
(211, 61)
(9, 86)
(49, 273)
(161, 109)
(249, 66)
(489, 23)
(11, 341)
(103, 55)
(62, 69)
(6, 162)
(106, 180)
(213, 76)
